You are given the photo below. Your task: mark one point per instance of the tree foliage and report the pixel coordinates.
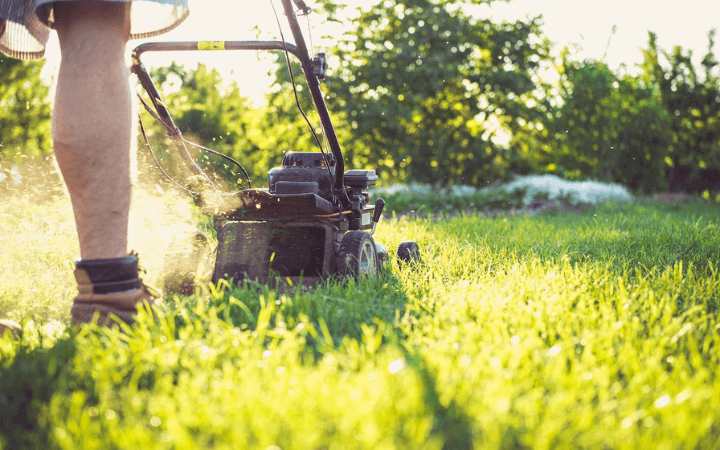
(601, 126)
(691, 96)
(24, 110)
(650, 132)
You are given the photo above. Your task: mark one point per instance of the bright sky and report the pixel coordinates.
(586, 23)
(589, 24)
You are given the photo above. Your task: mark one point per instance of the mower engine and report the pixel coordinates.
(298, 228)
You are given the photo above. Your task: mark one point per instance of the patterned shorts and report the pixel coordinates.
(25, 24)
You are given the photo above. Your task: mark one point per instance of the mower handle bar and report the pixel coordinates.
(299, 50)
(147, 83)
(212, 45)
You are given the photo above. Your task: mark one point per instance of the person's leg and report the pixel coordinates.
(92, 122)
(92, 129)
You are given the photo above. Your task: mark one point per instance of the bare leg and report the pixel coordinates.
(92, 123)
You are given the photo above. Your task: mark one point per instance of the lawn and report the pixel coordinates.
(595, 328)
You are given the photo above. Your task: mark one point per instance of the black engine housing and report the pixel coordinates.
(303, 173)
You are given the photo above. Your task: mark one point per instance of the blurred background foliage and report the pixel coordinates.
(451, 100)
(24, 110)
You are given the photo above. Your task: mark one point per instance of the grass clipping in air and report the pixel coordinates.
(593, 329)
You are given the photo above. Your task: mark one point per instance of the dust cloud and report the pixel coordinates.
(170, 234)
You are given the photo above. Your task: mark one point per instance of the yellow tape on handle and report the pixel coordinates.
(211, 45)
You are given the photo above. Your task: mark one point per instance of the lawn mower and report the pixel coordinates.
(314, 219)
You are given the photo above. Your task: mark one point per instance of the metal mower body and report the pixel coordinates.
(294, 230)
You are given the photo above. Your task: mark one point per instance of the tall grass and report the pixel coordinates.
(592, 329)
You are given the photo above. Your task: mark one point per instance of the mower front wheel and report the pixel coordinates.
(408, 252)
(357, 256)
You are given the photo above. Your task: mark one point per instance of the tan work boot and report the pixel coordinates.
(108, 288)
(124, 305)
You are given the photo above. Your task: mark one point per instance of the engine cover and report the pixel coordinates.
(303, 173)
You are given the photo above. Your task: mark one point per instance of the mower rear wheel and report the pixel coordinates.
(408, 252)
(357, 255)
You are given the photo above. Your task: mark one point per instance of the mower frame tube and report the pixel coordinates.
(314, 85)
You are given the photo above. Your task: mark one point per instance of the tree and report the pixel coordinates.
(691, 97)
(24, 110)
(599, 125)
(422, 88)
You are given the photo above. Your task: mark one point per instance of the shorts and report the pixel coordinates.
(25, 24)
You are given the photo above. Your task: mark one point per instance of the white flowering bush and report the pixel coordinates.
(416, 189)
(517, 194)
(573, 192)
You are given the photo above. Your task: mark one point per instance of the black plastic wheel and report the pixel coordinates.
(383, 257)
(408, 252)
(357, 255)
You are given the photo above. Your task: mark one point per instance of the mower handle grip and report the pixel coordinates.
(379, 205)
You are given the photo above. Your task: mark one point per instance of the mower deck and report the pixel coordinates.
(301, 251)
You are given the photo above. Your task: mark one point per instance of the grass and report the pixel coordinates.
(590, 329)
